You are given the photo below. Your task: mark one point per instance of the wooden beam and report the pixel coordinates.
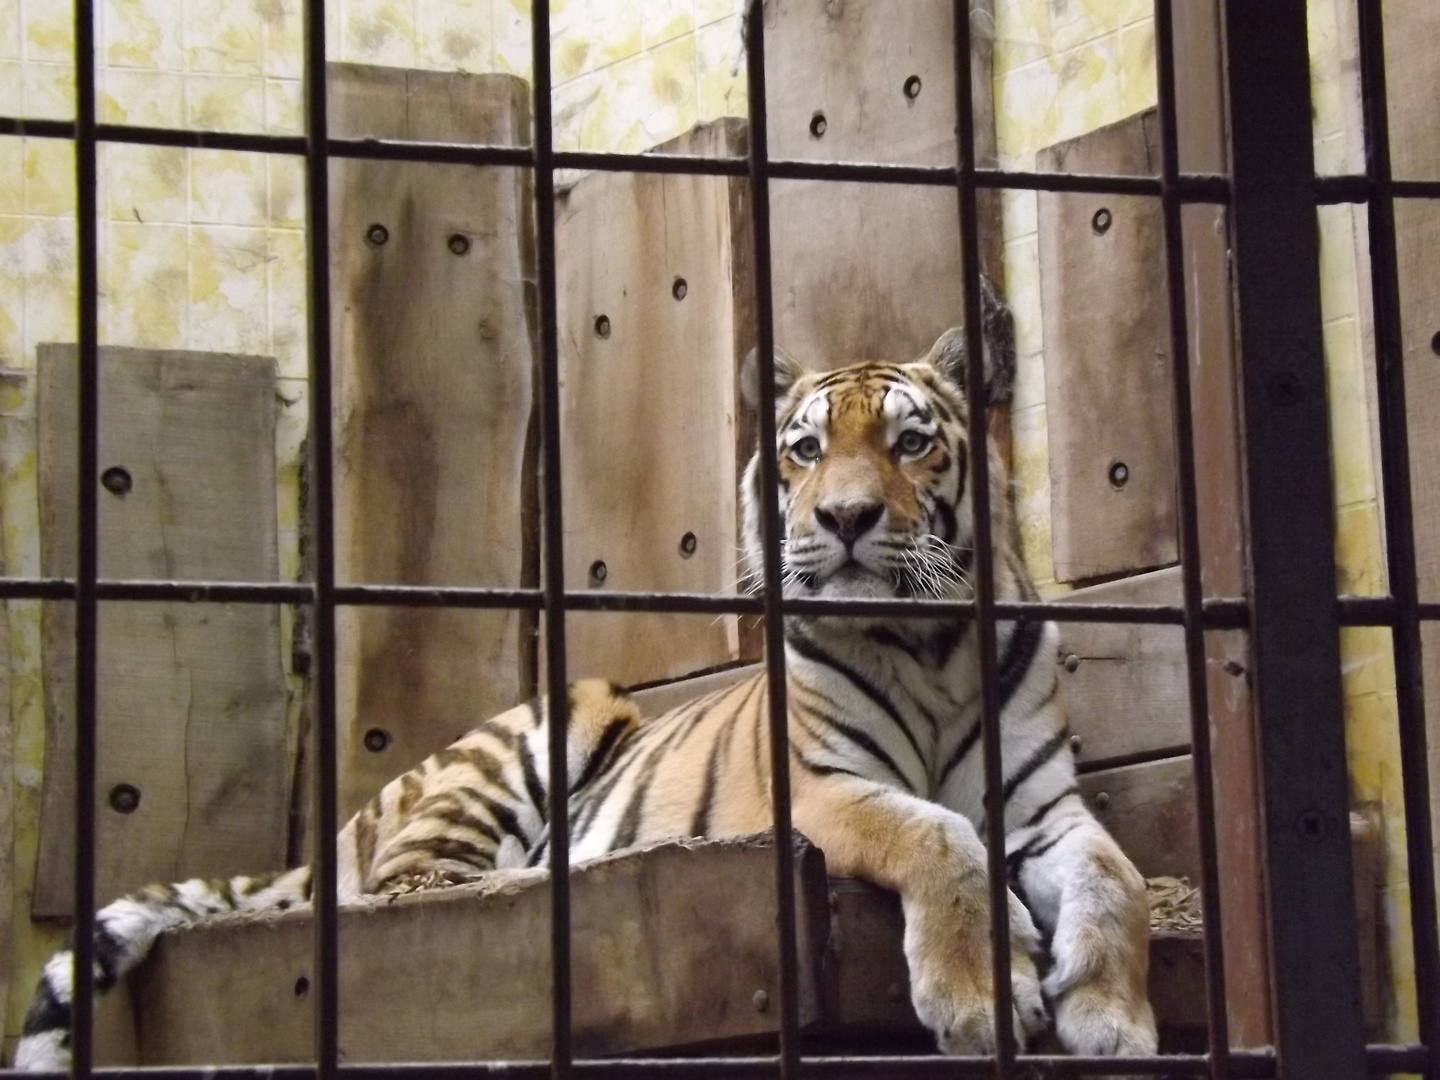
(193, 746)
(432, 295)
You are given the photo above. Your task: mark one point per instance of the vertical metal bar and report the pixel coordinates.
(1292, 550)
(770, 532)
(553, 540)
(1189, 530)
(87, 613)
(982, 539)
(1400, 526)
(317, 224)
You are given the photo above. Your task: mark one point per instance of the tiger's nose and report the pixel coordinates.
(849, 520)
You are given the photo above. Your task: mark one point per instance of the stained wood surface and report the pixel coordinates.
(1125, 686)
(649, 408)
(7, 799)
(192, 696)
(1107, 357)
(1413, 79)
(670, 946)
(433, 403)
(851, 62)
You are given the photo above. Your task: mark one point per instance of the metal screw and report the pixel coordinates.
(1101, 222)
(912, 87)
(124, 798)
(376, 235)
(687, 545)
(376, 739)
(761, 1000)
(1074, 744)
(1234, 667)
(302, 986)
(1102, 800)
(1072, 662)
(602, 326)
(1119, 475)
(679, 289)
(817, 125)
(598, 572)
(459, 244)
(116, 480)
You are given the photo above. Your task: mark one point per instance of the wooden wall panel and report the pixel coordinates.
(1413, 79)
(851, 63)
(1125, 687)
(649, 408)
(432, 286)
(192, 696)
(1107, 361)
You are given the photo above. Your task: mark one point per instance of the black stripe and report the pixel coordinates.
(1051, 747)
(1039, 815)
(46, 1012)
(1017, 859)
(947, 520)
(446, 847)
(1019, 655)
(856, 736)
(960, 752)
(817, 769)
(884, 636)
(608, 738)
(534, 787)
(107, 956)
(458, 817)
(808, 649)
(630, 819)
(700, 823)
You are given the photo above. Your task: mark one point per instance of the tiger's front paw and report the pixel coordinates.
(951, 981)
(1097, 1018)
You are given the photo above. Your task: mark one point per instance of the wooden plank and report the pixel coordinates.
(1413, 81)
(648, 409)
(1107, 361)
(1125, 690)
(671, 945)
(851, 63)
(433, 403)
(1150, 811)
(192, 708)
(7, 803)
(1200, 108)
(656, 700)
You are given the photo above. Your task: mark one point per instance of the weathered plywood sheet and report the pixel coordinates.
(850, 63)
(1107, 361)
(649, 409)
(1125, 687)
(191, 696)
(432, 286)
(1150, 810)
(670, 946)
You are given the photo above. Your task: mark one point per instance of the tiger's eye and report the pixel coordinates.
(913, 443)
(807, 449)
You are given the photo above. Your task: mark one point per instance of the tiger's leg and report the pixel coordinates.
(933, 858)
(1090, 901)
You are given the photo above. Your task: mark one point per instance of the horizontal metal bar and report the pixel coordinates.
(1220, 613)
(1330, 190)
(1247, 1065)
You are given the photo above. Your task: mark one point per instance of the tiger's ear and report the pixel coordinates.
(997, 332)
(787, 372)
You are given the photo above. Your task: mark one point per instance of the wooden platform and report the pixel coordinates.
(674, 949)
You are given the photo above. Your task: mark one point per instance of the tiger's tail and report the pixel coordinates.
(124, 932)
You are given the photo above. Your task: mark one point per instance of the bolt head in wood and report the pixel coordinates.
(602, 326)
(912, 87)
(1102, 221)
(1119, 475)
(599, 572)
(688, 544)
(817, 125)
(116, 480)
(1072, 662)
(761, 1000)
(1102, 800)
(679, 289)
(459, 244)
(376, 740)
(376, 235)
(124, 798)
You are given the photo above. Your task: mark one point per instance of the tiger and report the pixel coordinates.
(885, 765)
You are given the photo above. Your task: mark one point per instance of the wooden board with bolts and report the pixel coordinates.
(1107, 377)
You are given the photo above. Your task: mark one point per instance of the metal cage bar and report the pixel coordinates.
(1271, 196)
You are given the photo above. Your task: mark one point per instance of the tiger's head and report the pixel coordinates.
(874, 491)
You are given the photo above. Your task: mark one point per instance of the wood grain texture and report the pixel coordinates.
(433, 405)
(1413, 80)
(7, 804)
(1107, 361)
(192, 696)
(670, 946)
(649, 408)
(850, 62)
(1125, 688)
